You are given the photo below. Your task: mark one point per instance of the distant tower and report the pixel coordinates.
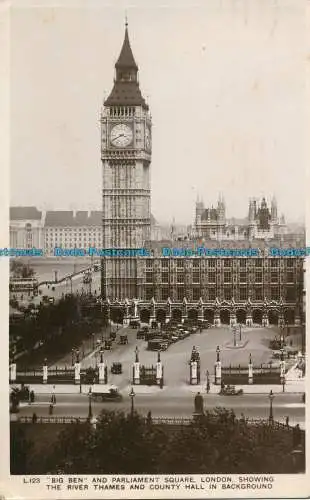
(221, 209)
(264, 216)
(274, 210)
(252, 214)
(199, 207)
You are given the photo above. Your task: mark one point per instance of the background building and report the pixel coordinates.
(26, 227)
(262, 222)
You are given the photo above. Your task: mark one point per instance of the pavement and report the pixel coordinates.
(176, 405)
(291, 387)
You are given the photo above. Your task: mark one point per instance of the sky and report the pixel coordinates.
(225, 82)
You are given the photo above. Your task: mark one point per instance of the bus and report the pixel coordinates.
(24, 285)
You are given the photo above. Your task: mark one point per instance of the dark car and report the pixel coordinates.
(116, 368)
(141, 334)
(107, 344)
(134, 324)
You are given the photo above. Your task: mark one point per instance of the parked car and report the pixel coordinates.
(123, 340)
(116, 368)
(230, 390)
(158, 345)
(134, 324)
(141, 333)
(107, 344)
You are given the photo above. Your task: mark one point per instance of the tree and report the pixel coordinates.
(20, 451)
(119, 444)
(20, 270)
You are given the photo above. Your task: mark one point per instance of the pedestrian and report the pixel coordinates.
(296, 436)
(287, 421)
(32, 396)
(34, 418)
(208, 387)
(50, 410)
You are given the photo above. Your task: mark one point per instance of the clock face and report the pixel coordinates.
(148, 138)
(121, 135)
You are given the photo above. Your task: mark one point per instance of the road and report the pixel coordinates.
(167, 405)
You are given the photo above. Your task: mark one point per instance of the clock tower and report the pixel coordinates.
(126, 158)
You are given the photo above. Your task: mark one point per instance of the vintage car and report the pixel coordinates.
(134, 323)
(230, 390)
(141, 333)
(105, 393)
(157, 345)
(108, 344)
(123, 340)
(116, 368)
(112, 335)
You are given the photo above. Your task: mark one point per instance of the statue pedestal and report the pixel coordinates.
(136, 373)
(77, 373)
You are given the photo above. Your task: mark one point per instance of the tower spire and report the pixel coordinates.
(126, 91)
(126, 59)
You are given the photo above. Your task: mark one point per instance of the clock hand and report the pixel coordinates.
(121, 135)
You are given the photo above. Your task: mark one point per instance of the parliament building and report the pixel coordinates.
(220, 289)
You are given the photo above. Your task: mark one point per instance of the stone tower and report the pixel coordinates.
(126, 157)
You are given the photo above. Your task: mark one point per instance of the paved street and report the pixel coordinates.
(175, 359)
(165, 404)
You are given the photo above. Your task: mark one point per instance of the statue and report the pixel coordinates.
(198, 403)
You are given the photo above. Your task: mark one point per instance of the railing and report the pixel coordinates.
(154, 420)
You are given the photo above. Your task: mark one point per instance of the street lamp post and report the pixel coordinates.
(234, 334)
(90, 412)
(132, 395)
(240, 332)
(271, 398)
(72, 357)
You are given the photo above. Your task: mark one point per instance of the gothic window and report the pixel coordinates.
(196, 293)
(211, 263)
(164, 293)
(258, 276)
(165, 264)
(290, 263)
(227, 293)
(243, 293)
(274, 277)
(211, 293)
(290, 295)
(274, 293)
(149, 292)
(258, 262)
(227, 262)
(243, 278)
(274, 262)
(180, 293)
(196, 277)
(212, 278)
(165, 277)
(149, 277)
(258, 293)
(180, 277)
(242, 263)
(227, 276)
(290, 277)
